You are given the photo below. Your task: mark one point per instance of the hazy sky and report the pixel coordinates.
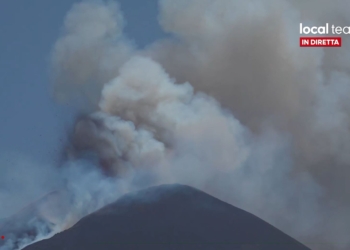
(31, 122)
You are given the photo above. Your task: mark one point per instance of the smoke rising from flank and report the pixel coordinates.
(231, 105)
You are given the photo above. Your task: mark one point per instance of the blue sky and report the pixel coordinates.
(32, 123)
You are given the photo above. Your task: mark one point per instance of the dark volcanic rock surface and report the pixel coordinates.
(170, 217)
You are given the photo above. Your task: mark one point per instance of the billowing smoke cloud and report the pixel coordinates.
(285, 158)
(90, 50)
(230, 105)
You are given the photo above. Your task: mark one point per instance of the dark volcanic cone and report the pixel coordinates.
(170, 217)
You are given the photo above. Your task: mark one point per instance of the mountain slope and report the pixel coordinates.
(170, 217)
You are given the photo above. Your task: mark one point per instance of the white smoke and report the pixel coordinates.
(38, 200)
(206, 147)
(90, 51)
(230, 105)
(285, 158)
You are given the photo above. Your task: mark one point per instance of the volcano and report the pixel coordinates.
(170, 217)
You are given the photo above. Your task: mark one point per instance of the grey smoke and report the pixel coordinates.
(283, 153)
(231, 105)
(90, 51)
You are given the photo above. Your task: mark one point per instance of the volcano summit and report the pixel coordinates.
(170, 217)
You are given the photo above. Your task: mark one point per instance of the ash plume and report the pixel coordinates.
(230, 105)
(251, 117)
